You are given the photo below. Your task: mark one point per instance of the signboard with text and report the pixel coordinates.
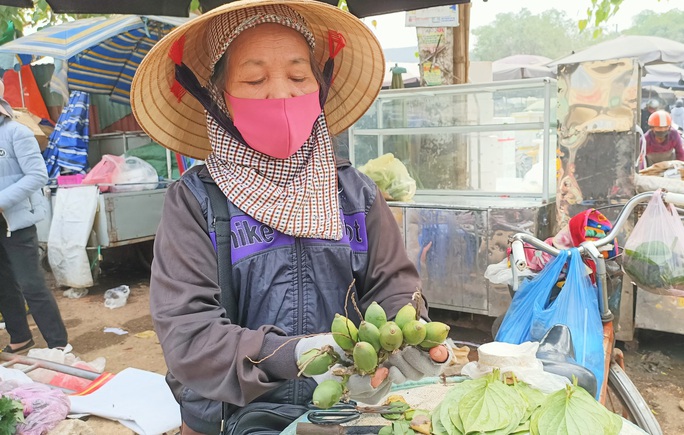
(440, 16)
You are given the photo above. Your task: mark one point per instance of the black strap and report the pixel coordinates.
(221, 211)
(219, 206)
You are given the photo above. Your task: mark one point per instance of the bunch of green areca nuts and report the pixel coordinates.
(367, 347)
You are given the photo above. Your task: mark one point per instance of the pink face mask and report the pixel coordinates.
(277, 127)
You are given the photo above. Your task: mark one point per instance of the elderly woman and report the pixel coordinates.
(270, 82)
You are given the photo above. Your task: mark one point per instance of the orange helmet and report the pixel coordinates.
(660, 118)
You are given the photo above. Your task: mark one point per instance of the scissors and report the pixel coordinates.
(344, 412)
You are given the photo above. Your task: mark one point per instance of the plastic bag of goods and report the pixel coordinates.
(104, 172)
(135, 175)
(654, 251)
(391, 176)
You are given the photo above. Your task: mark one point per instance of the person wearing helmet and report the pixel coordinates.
(678, 114)
(652, 106)
(662, 141)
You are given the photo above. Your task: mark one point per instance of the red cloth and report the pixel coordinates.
(32, 97)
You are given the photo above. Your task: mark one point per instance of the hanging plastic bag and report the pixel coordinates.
(391, 176)
(654, 251)
(134, 175)
(576, 307)
(104, 171)
(501, 273)
(515, 328)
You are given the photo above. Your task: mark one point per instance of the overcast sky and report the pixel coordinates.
(391, 32)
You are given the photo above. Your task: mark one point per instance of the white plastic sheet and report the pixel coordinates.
(72, 222)
(519, 359)
(138, 399)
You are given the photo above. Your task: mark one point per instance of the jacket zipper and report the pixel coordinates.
(300, 305)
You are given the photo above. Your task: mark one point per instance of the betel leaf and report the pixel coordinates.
(523, 428)
(401, 427)
(437, 426)
(533, 398)
(446, 414)
(490, 407)
(573, 411)
(449, 409)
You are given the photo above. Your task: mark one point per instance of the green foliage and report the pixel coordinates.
(41, 15)
(601, 11)
(551, 34)
(11, 413)
(668, 25)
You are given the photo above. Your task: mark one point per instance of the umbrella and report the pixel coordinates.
(665, 75)
(521, 66)
(102, 53)
(666, 95)
(68, 144)
(524, 59)
(647, 49)
(179, 8)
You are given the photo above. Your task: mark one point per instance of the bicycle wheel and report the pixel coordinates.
(624, 399)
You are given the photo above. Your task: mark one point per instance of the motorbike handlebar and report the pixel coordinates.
(518, 253)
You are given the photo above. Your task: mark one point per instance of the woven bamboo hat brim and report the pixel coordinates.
(181, 126)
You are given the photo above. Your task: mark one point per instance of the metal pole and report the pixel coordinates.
(546, 152)
(21, 86)
(168, 164)
(33, 363)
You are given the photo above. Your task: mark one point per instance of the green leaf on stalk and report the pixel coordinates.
(490, 407)
(573, 411)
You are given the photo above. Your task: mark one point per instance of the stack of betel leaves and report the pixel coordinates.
(491, 406)
(655, 265)
(367, 346)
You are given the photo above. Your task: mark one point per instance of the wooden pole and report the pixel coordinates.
(461, 45)
(460, 76)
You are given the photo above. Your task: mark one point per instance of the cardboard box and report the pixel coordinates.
(30, 120)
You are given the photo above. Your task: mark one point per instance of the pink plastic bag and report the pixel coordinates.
(105, 171)
(44, 408)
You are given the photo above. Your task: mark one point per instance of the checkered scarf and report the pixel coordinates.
(296, 196)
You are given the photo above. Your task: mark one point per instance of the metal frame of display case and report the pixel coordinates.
(466, 228)
(548, 85)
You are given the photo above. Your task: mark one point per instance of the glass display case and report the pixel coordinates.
(484, 160)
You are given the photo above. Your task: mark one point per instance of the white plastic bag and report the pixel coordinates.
(117, 297)
(72, 223)
(501, 273)
(134, 175)
(519, 359)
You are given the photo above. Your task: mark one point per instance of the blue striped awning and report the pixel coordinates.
(102, 53)
(66, 40)
(108, 68)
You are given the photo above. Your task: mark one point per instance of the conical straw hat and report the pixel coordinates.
(181, 126)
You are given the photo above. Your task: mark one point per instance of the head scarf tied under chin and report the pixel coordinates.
(296, 196)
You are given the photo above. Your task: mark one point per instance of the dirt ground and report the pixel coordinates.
(656, 365)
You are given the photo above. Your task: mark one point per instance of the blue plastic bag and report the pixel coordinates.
(517, 322)
(577, 307)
